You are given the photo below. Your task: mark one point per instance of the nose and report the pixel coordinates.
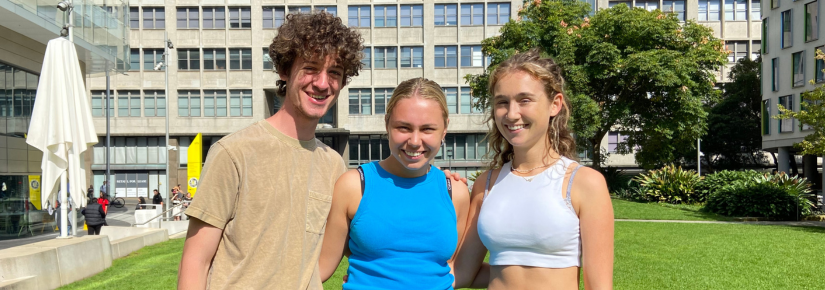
(415, 140)
(321, 81)
(513, 112)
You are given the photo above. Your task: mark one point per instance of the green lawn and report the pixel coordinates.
(623, 209)
(648, 256)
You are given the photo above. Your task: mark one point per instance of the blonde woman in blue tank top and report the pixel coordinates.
(399, 220)
(542, 216)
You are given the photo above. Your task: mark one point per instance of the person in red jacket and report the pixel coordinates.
(103, 202)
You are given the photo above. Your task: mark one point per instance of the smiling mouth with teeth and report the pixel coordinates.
(413, 153)
(513, 128)
(318, 97)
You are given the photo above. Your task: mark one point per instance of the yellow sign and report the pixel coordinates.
(194, 161)
(34, 190)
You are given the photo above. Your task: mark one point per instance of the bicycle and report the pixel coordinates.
(117, 202)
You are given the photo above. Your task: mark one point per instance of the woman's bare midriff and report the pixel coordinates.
(523, 277)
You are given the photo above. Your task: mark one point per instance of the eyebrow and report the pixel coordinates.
(522, 94)
(402, 123)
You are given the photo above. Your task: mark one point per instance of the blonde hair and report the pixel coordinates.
(549, 73)
(421, 87)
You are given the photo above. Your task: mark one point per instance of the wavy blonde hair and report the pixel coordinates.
(549, 73)
(421, 87)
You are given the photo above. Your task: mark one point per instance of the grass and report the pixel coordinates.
(623, 209)
(648, 255)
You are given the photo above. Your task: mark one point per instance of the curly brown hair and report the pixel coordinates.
(316, 34)
(549, 73)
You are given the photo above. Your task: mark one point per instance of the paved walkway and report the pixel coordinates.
(789, 223)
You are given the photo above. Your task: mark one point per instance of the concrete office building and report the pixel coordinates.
(221, 80)
(26, 26)
(790, 40)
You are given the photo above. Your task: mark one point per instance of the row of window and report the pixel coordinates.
(708, 10)
(358, 15)
(191, 103)
(190, 58)
(362, 101)
(810, 31)
(741, 49)
(368, 148)
(784, 126)
(131, 150)
(797, 70)
(413, 56)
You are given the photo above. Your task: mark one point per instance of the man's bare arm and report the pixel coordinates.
(201, 244)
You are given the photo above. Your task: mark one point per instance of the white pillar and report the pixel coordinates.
(784, 160)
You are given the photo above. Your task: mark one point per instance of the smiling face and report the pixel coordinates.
(416, 128)
(313, 86)
(522, 109)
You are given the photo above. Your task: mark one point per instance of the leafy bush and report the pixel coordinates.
(616, 179)
(770, 196)
(670, 184)
(633, 193)
(714, 182)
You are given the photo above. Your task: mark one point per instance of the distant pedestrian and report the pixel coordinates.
(90, 193)
(104, 189)
(95, 217)
(68, 212)
(177, 198)
(157, 199)
(141, 202)
(104, 202)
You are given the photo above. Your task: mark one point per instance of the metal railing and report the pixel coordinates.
(161, 216)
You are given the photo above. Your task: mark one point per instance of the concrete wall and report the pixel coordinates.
(54, 263)
(126, 240)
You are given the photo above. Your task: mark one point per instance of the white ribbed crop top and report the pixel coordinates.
(530, 223)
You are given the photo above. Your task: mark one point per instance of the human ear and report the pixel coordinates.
(556, 103)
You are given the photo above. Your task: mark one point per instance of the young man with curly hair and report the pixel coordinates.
(258, 219)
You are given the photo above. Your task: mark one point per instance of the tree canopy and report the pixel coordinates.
(641, 72)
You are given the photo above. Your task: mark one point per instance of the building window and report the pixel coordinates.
(187, 18)
(189, 59)
(134, 59)
(154, 104)
(471, 55)
(775, 74)
(803, 103)
(738, 50)
(367, 59)
(98, 107)
(368, 148)
(214, 18)
(798, 69)
(273, 17)
(498, 13)
(134, 17)
(328, 9)
(267, 59)
(382, 97)
(385, 16)
(756, 10)
(412, 15)
(466, 102)
(736, 10)
(151, 57)
(676, 7)
(360, 102)
(614, 138)
(755, 49)
(648, 5)
(300, 9)
(240, 103)
(787, 124)
(452, 100)
(472, 14)
(154, 18)
(386, 57)
(787, 29)
(214, 59)
(240, 17)
(412, 56)
(766, 117)
(463, 147)
(446, 56)
(811, 21)
(240, 58)
(189, 103)
(820, 65)
(128, 103)
(446, 14)
(774, 4)
(765, 36)
(359, 16)
(214, 103)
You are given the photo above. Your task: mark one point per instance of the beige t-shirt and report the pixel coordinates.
(271, 194)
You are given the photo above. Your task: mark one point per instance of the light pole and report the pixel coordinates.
(164, 64)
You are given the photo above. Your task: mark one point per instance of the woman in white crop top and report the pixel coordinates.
(541, 215)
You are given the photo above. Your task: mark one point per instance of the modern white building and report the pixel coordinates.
(790, 40)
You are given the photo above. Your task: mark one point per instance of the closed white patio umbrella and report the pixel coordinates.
(61, 126)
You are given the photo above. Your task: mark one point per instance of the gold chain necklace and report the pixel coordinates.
(534, 168)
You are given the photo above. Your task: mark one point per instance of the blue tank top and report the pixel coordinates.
(403, 233)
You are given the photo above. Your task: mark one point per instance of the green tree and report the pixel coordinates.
(811, 114)
(641, 71)
(734, 121)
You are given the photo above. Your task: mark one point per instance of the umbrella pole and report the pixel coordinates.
(64, 231)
